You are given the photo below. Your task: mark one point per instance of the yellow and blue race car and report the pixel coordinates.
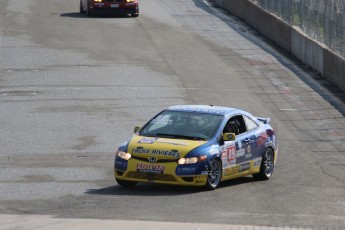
(197, 145)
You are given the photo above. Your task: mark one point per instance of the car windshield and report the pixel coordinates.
(182, 125)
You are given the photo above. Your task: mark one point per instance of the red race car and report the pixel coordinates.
(91, 7)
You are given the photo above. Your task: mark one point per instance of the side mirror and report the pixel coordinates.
(137, 128)
(229, 136)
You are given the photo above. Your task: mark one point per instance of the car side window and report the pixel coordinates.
(235, 125)
(251, 125)
(230, 128)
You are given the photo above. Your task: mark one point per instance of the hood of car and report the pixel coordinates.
(161, 148)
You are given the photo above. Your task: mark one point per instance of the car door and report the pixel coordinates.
(243, 144)
(253, 133)
(236, 156)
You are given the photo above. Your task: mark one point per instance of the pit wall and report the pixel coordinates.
(312, 53)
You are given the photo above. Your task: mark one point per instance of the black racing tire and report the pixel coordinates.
(81, 10)
(267, 166)
(89, 12)
(215, 174)
(126, 183)
(136, 14)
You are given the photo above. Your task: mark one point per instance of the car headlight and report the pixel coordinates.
(191, 160)
(130, 0)
(123, 155)
(97, 0)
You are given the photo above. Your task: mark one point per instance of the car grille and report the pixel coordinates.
(145, 159)
(151, 176)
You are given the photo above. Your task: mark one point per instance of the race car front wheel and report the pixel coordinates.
(267, 166)
(126, 183)
(214, 175)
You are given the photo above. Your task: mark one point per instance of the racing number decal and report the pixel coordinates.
(231, 153)
(229, 158)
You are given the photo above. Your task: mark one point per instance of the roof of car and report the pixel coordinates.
(204, 109)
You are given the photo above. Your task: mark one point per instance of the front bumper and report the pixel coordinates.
(120, 8)
(161, 173)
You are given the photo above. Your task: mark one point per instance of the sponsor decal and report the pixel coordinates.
(99, 4)
(249, 155)
(213, 151)
(140, 151)
(235, 169)
(262, 138)
(150, 168)
(257, 162)
(152, 160)
(172, 153)
(232, 170)
(226, 171)
(166, 153)
(248, 149)
(201, 110)
(187, 171)
(172, 142)
(240, 153)
(224, 158)
(147, 140)
(269, 143)
(162, 119)
(245, 166)
(199, 181)
(239, 145)
(204, 173)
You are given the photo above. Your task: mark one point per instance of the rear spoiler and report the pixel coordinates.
(264, 120)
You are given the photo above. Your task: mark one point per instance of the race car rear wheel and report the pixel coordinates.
(126, 183)
(267, 166)
(214, 175)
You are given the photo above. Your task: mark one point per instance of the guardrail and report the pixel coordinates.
(311, 52)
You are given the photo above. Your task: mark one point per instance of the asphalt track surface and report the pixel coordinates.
(72, 88)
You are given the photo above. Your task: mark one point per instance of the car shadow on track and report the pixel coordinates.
(79, 15)
(147, 189)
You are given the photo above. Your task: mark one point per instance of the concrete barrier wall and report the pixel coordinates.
(334, 68)
(266, 23)
(312, 53)
(298, 44)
